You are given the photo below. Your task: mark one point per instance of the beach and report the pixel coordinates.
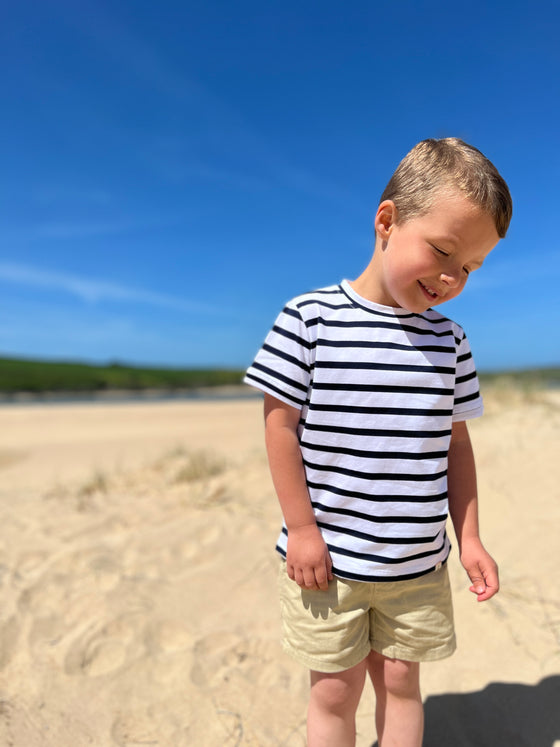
(138, 578)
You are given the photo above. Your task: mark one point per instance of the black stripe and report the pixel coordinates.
(401, 476)
(375, 366)
(468, 398)
(381, 519)
(327, 386)
(262, 384)
(357, 305)
(373, 498)
(352, 324)
(359, 409)
(382, 540)
(333, 549)
(467, 377)
(293, 313)
(291, 336)
(369, 454)
(278, 376)
(323, 342)
(380, 579)
(324, 304)
(289, 358)
(383, 558)
(376, 431)
(333, 291)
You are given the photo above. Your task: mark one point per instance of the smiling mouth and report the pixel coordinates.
(429, 291)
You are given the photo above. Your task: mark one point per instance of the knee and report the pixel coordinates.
(337, 696)
(402, 678)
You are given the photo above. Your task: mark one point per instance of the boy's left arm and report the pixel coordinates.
(463, 509)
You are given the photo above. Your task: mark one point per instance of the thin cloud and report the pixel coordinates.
(95, 290)
(69, 230)
(147, 64)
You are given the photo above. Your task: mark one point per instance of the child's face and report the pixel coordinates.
(426, 260)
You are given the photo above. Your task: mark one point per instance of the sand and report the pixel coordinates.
(139, 583)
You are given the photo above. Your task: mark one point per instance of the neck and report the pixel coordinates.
(367, 284)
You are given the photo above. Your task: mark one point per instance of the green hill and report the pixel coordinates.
(527, 378)
(36, 377)
(20, 375)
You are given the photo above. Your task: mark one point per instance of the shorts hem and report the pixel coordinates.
(393, 651)
(317, 665)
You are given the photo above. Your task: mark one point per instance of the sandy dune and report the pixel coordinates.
(139, 583)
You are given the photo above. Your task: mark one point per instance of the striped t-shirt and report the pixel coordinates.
(378, 388)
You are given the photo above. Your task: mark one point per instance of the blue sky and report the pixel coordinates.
(172, 173)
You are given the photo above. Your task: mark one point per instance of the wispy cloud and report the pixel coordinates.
(503, 269)
(228, 131)
(50, 194)
(73, 230)
(95, 290)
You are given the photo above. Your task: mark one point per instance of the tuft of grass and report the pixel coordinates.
(506, 391)
(98, 483)
(200, 465)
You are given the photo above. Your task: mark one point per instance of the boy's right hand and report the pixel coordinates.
(308, 561)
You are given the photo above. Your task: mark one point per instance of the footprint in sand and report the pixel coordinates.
(65, 580)
(29, 566)
(107, 648)
(155, 725)
(9, 633)
(167, 636)
(191, 547)
(219, 655)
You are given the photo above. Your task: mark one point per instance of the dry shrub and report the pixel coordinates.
(200, 465)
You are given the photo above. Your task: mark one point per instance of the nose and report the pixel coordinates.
(451, 280)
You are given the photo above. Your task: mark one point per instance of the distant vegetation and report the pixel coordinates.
(41, 377)
(38, 377)
(530, 378)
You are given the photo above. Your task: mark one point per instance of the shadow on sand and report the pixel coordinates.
(502, 714)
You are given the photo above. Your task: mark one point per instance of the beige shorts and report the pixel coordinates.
(333, 630)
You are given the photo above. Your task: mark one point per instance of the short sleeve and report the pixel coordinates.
(282, 367)
(468, 401)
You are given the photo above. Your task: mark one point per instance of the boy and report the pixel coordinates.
(367, 390)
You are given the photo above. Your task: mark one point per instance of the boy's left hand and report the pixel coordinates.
(481, 569)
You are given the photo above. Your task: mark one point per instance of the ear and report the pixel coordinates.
(385, 219)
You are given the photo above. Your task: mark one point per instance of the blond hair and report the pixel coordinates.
(441, 166)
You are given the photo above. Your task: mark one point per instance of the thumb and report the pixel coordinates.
(478, 584)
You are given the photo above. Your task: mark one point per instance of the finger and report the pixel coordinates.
(492, 578)
(492, 588)
(321, 577)
(309, 581)
(478, 583)
(485, 585)
(330, 574)
(298, 576)
(488, 593)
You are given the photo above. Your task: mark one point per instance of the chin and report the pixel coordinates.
(416, 308)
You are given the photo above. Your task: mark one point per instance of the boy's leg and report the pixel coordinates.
(399, 713)
(333, 701)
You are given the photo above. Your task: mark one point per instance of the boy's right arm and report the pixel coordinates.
(308, 562)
